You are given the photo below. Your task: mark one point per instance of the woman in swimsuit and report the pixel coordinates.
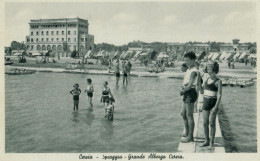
(211, 100)
(90, 90)
(105, 95)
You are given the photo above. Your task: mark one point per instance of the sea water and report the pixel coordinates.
(39, 115)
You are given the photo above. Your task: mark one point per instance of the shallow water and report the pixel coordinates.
(39, 115)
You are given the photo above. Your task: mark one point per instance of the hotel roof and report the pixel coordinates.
(61, 20)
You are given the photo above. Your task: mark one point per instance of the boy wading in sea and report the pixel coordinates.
(211, 100)
(189, 96)
(76, 92)
(110, 109)
(90, 90)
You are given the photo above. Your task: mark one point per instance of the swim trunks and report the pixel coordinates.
(76, 97)
(190, 96)
(117, 74)
(125, 74)
(209, 103)
(90, 94)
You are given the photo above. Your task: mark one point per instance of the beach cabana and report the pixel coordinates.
(210, 55)
(223, 55)
(123, 55)
(229, 55)
(141, 55)
(215, 56)
(236, 56)
(243, 55)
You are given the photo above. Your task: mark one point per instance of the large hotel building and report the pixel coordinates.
(59, 35)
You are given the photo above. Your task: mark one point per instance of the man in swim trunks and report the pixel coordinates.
(212, 96)
(117, 72)
(189, 96)
(76, 92)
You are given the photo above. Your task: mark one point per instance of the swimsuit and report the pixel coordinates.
(90, 94)
(210, 97)
(190, 96)
(117, 74)
(105, 96)
(76, 97)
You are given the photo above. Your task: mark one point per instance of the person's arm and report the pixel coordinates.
(219, 95)
(79, 91)
(192, 78)
(71, 92)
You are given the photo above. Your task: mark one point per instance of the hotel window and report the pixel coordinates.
(68, 39)
(37, 33)
(32, 33)
(57, 32)
(62, 32)
(57, 39)
(42, 39)
(74, 47)
(47, 39)
(32, 47)
(47, 32)
(68, 32)
(28, 40)
(52, 39)
(74, 32)
(42, 33)
(75, 40)
(82, 39)
(62, 39)
(86, 39)
(31, 39)
(36, 39)
(52, 32)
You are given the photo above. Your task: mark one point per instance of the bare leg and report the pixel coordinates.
(189, 113)
(206, 127)
(185, 120)
(212, 118)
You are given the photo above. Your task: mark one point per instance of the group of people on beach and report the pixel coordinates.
(107, 98)
(207, 83)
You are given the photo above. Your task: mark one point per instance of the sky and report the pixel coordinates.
(122, 22)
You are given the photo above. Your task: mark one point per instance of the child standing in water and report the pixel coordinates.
(211, 100)
(90, 90)
(105, 96)
(76, 92)
(110, 109)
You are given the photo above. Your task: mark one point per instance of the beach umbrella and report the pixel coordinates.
(163, 56)
(18, 54)
(88, 54)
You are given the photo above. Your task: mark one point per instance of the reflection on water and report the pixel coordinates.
(40, 117)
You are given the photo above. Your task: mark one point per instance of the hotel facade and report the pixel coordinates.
(60, 36)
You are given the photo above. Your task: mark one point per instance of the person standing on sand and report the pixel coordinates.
(189, 96)
(211, 100)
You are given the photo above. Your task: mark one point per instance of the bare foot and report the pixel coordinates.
(211, 147)
(187, 140)
(206, 143)
(184, 135)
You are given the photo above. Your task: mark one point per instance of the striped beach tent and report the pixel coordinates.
(243, 55)
(223, 55)
(215, 56)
